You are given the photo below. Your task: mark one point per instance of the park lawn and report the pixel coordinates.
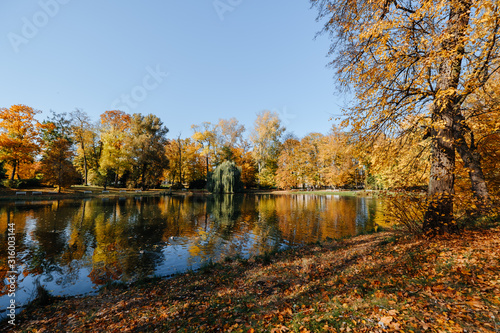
(370, 283)
(74, 192)
(81, 191)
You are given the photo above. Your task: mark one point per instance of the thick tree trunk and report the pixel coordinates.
(472, 161)
(439, 215)
(438, 218)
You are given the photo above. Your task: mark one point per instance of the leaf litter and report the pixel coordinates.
(369, 283)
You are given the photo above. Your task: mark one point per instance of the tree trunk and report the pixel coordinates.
(14, 166)
(143, 175)
(85, 168)
(472, 161)
(439, 215)
(59, 178)
(180, 160)
(207, 166)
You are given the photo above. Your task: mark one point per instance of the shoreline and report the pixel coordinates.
(381, 281)
(40, 194)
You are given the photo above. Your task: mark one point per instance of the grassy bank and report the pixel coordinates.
(79, 192)
(369, 283)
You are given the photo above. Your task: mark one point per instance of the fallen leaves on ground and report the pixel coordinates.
(371, 283)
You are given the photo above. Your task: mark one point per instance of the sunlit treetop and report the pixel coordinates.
(392, 52)
(116, 119)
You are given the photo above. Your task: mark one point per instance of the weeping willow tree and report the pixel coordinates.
(226, 178)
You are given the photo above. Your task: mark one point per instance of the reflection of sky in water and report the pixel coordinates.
(74, 247)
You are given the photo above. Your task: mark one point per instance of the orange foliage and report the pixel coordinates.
(19, 136)
(116, 119)
(245, 161)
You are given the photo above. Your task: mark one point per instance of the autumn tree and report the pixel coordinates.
(19, 136)
(338, 160)
(204, 134)
(232, 146)
(114, 159)
(56, 163)
(482, 111)
(266, 142)
(398, 162)
(146, 145)
(289, 173)
(174, 150)
(319, 160)
(243, 158)
(185, 162)
(309, 156)
(228, 138)
(418, 61)
(84, 136)
(221, 142)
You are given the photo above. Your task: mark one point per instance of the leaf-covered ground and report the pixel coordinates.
(371, 283)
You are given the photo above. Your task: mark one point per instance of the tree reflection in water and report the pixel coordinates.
(74, 246)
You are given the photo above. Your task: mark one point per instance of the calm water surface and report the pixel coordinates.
(73, 247)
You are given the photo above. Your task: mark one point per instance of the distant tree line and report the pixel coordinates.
(124, 150)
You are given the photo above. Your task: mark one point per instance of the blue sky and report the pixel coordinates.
(185, 61)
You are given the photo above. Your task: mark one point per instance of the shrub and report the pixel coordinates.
(198, 184)
(22, 183)
(407, 210)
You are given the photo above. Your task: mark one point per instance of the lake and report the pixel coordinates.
(73, 247)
